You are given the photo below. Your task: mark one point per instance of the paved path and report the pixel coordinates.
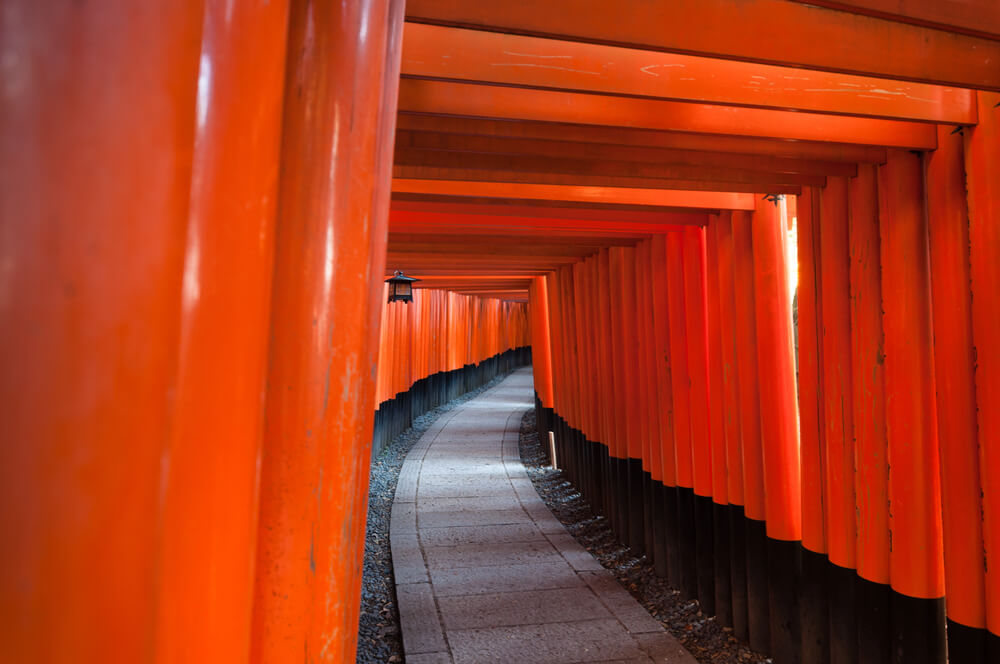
(485, 572)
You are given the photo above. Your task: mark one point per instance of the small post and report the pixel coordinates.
(552, 451)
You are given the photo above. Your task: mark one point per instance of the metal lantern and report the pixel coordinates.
(400, 287)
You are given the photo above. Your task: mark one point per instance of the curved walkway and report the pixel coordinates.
(485, 572)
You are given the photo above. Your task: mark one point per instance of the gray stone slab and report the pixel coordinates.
(521, 608)
(663, 647)
(577, 556)
(491, 553)
(429, 658)
(472, 518)
(622, 605)
(495, 579)
(552, 643)
(418, 617)
(471, 503)
(407, 560)
(455, 535)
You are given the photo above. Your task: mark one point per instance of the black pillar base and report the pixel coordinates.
(686, 543)
(738, 571)
(647, 516)
(758, 609)
(705, 552)
(636, 539)
(813, 608)
(784, 564)
(918, 635)
(723, 585)
(966, 644)
(671, 535)
(843, 617)
(657, 519)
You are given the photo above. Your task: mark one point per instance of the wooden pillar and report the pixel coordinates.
(210, 500)
(681, 388)
(734, 438)
(696, 323)
(813, 588)
(837, 422)
(664, 379)
(871, 488)
(915, 563)
(982, 167)
(328, 271)
(954, 367)
(778, 424)
(758, 609)
(96, 141)
(718, 415)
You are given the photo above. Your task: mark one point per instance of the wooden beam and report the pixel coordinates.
(971, 17)
(551, 165)
(763, 31)
(422, 140)
(472, 175)
(438, 52)
(489, 101)
(712, 200)
(515, 207)
(807, 150)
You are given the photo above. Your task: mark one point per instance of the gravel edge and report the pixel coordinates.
(709, 642)
(379, 638)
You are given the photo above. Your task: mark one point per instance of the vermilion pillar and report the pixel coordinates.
(982, 167)
(813, 588)
(664, 378)
(328, 272)
(696, 324)
(541, 353)
(837, 422)
(915, 563)
(718, 414)
(750, 426)
(734, 440)
(955, 362)
(778, 424)
(871, 476)
(96, 146)
(681, 389)
(210, 500)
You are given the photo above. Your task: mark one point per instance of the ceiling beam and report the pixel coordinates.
(602, 152)
(971, 17)
(490, 101)
(763, 31)
(626, 136)
(438, 52)
(434, 160)
(712, 200)
(513, 207)
(466, 176)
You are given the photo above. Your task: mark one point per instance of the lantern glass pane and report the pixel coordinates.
(403, 289)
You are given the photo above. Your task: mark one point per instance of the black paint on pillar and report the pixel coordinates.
(918, 631)
(647, 516)
(688, 584)
(843, 617)
(723, 585)
(636, 539)
(671, 535)
(784, 567)
(738, 571)
(704, 537)
(967, 644)
(758, 609)
(658, 522)
(813, 609)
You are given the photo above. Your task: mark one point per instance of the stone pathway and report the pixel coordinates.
(485, 573)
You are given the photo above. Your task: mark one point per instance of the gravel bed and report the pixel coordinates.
(379, 638)
(709, 642)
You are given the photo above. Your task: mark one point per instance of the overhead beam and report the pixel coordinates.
(625, 136)
(432, 51)
(513, 207)
(417, 221)
(550, 165)
(489, 101)
(773, 32)
(472, 175)
(971, 17)
(712, 200)
(602, 152)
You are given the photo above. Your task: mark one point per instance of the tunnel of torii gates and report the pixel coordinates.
(200, 200)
